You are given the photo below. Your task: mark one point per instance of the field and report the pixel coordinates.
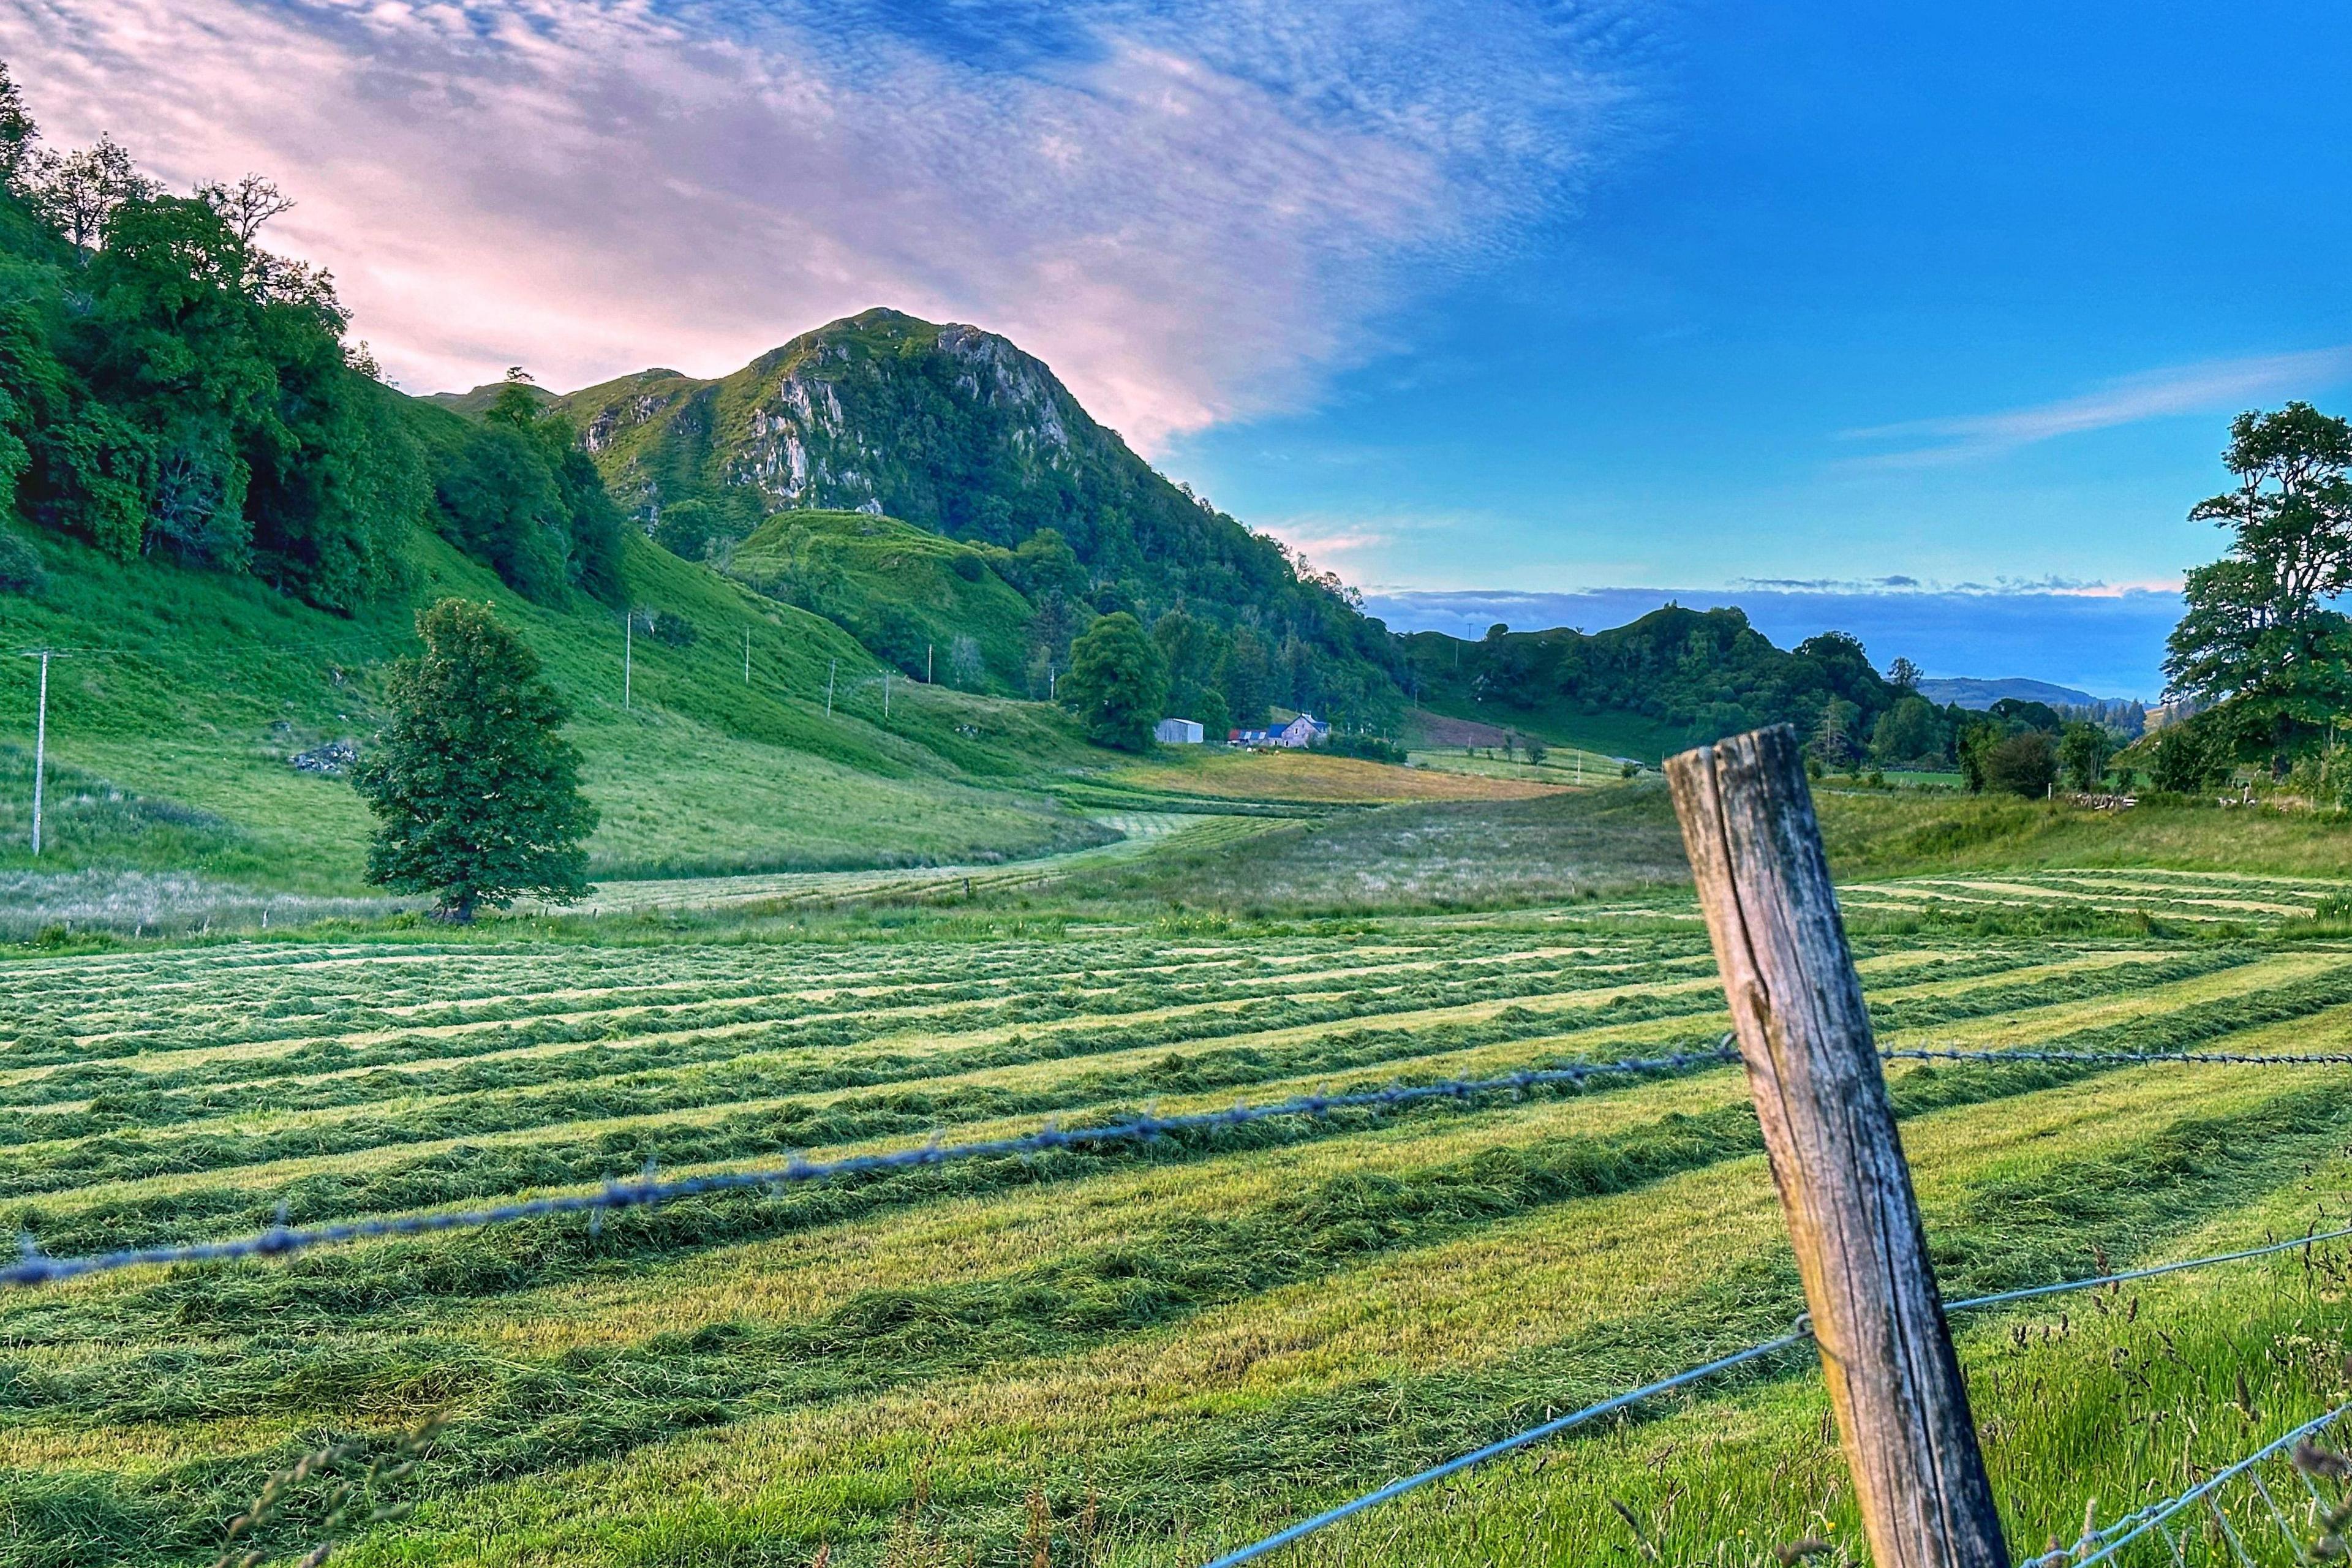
(182, 695)
(1142, 1357)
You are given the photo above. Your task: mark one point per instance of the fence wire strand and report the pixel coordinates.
(1802, 1331)
(36, 1267)
(2100, 1545)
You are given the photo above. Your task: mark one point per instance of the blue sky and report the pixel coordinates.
(1695, 299)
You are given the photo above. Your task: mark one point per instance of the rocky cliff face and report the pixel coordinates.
(878, 413)
(958, 431)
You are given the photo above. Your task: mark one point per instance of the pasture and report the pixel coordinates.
(1142, 1356)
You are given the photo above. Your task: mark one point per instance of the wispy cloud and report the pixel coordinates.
(2214, 385)
(1191, 212)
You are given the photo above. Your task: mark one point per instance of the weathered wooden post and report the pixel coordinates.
(1901, 1409)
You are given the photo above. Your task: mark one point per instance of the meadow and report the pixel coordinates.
(1142, 1355)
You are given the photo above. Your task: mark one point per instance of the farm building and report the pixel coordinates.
(1178, 732)
(1301, 732)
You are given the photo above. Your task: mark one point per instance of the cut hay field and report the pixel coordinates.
(1140, 1356)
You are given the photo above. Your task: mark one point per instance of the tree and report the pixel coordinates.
(75, 193)
(18, 132)
(2184, 760)
(1907, 733)
(2083, 749)
(1118, 682)
(1903, 677)
(245, 205)
(2025, 763)
(476, 794)
(1829, 745)
(2257, 633)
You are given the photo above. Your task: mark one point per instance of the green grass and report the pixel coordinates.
(184, 693)
(858, 568)
(1139, 1356)
(1167, 1349)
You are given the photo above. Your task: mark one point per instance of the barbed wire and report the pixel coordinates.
(35, 1267)
(2101, 1545)
(1801, 1332)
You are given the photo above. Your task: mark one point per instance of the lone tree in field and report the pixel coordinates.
(1117, 683)
(477, 795)
(2258, 638)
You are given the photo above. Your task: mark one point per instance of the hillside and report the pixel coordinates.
(191, 689)
(959, 432)
(1673, 678)
(1964, 691)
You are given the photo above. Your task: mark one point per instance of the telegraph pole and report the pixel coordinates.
(628, 654)
(926, 664)
(885, 692)
(829, 671)
(40, 745)
(747, 655)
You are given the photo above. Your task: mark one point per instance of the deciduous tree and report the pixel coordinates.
(2258, 634)
(1118, 682)
(475, 791)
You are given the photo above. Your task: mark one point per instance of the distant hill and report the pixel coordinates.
(476, 402)
(1675, 677)
(960, 433)
(1966, 692)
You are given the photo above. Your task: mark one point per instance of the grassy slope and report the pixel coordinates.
(195, 687)
(1872, 834)
(1560, 724)
(871, 562)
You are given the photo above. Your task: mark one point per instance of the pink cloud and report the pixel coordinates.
(1190, 222)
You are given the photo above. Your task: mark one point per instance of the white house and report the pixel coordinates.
(1303, 731)
(1178, 732)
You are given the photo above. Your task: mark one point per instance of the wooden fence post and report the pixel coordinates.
(1901, 1409)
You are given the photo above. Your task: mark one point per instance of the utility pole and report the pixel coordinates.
(1829, 1131)
(747, 655)
(628, 654)
(885, 692)
(829, 671)
(926, 664)
(40, 745)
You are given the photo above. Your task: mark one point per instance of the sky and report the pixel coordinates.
(1922, 323)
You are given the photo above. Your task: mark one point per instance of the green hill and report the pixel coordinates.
(192, 690)
(959, 432)
(1673, 678)
(930, 605)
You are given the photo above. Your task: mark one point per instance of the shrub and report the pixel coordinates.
(1370, 748)
(20, 568)
(2025, 764)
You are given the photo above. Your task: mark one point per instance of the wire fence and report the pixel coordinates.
(2096, 1544)
(34, 1267)
(2264, 1532)
(1801, 1333)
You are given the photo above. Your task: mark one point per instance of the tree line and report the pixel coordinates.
(170, 388)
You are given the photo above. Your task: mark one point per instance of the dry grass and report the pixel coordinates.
(1309, 776)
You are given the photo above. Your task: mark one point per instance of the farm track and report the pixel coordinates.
(1211, 1334)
